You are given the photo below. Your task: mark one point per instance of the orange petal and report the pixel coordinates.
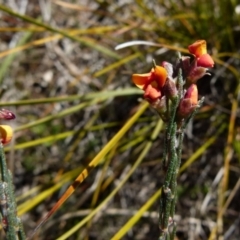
(205, 61)
(140, 80)
(151, 93)
(192, 94)
(6, 134)
(198, 48)
(160, 75)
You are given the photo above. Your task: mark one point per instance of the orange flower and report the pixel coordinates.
(158, 74)
(141, 80)
(6, 134)
(199, 49)
(152, 82)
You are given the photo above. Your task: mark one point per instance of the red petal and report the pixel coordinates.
(151, 93)
(205, 61)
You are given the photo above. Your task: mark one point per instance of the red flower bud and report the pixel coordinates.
(195, 74)
(170, 88)
(192, 94)
(185, 63)
(189, 102)
(6, 114)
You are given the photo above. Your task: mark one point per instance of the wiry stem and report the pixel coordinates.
(171, 162)
(11, 224)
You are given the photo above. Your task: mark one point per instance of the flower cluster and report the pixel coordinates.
(6, 131)
(160, 84)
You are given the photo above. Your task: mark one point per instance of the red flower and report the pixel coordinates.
(152, 82)
(199, 49)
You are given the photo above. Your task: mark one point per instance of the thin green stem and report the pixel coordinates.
(8, 209)
(171, 161)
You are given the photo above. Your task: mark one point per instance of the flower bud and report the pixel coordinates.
(195, 74)
(188, 104)
(6, 114)
(170, 88)
(169, 68)
(6, 134)
(185, 64)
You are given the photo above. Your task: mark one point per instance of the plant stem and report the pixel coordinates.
(11, 224)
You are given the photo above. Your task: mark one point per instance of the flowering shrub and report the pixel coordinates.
(173, 92)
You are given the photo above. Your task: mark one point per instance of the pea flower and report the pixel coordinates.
(151, 83)
(202, 61)
(6, 131)
(199, 49)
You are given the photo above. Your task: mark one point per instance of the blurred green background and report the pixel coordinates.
(72, 93)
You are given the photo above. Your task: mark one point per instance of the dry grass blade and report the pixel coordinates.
(87, 41)
(84, 174)
(120, 185)
(223, 186)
